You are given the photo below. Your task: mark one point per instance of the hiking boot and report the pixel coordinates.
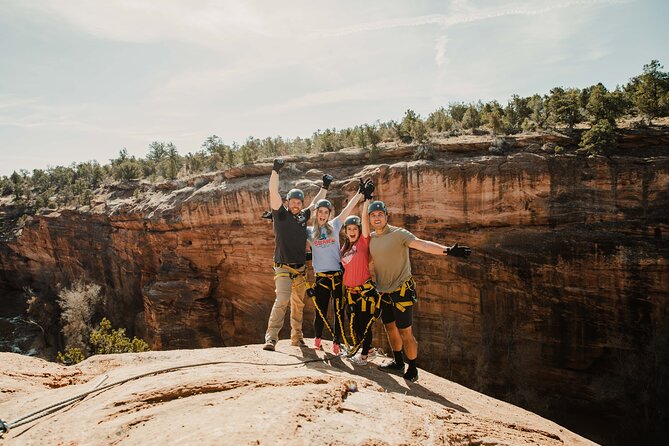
(317, 343)
(269, 345)
(358, 360)
(392, 367)
(335, 349)
(411, 375)
(298, 343)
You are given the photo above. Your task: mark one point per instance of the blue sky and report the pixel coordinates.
(83, 79)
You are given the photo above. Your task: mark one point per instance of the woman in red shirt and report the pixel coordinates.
(360, 292)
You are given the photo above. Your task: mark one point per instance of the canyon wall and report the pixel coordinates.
(565, 290)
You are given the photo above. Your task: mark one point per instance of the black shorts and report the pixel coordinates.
(391, 313)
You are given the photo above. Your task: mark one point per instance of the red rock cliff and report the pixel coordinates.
(568, 275)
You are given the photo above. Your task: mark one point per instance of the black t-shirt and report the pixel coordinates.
(290, 232)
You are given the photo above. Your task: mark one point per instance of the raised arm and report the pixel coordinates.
(441, 250)
(349, 207)
(365, 220)
(275, 200)
(366, 188)
(327, 179)
(428, 247)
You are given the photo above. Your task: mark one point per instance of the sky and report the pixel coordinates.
(81, 80)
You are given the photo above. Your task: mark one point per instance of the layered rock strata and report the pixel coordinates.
(568, 277)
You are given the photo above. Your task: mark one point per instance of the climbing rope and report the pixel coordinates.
(6, 426)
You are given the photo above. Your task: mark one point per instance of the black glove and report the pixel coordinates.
(278, 164)
(327, 179)
(361, 187)
(267, 215)
(458, 251)
(369, 189)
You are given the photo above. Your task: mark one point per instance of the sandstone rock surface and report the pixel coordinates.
(244, 395)
(562, 301)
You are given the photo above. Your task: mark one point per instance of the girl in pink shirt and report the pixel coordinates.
(360, 292)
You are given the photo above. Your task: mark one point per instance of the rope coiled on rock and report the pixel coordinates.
(6, 426)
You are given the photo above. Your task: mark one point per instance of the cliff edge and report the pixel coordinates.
(244, 395)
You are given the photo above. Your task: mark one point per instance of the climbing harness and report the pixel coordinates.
(370, 302)
(292, 274)
(401, 303)
(365, 295)
(321, 279)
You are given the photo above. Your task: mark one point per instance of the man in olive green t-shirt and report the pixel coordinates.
(389, 249)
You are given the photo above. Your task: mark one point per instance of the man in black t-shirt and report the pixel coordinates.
(290, 231)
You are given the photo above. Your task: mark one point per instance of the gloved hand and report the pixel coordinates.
(278, 164)
(458, 251)
(369, 189)
(361, 187)
(327, 179)
(267, 215)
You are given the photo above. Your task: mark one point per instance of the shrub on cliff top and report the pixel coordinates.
(650, 91)
(106, 340)
(78, 304)
(72, 355)
(599, 140)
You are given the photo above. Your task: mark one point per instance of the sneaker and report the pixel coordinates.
(317, 344)
(335, 349)
(411, 375)
(371, 353)
(358, 360)
(298, 343)
(269, 345)
(392, 367)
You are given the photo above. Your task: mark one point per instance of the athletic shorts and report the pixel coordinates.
(390, 312)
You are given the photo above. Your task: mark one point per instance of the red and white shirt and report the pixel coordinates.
(356, 263)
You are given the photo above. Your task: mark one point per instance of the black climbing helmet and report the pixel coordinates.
(324, 204)
(295, 193)
(377, 206)
(353, 220)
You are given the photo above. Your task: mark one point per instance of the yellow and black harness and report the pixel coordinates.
(292, 274)
(370, 302)
(403, 298)
(330, 281)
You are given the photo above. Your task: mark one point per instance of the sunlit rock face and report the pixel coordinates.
(568, 276)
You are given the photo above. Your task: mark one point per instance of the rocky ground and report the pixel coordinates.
(247, 396)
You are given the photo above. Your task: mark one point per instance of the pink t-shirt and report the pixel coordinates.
(356, 263)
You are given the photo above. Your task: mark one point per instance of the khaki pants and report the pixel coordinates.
(288, 292)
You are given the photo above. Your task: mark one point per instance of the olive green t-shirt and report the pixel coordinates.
(390, 252)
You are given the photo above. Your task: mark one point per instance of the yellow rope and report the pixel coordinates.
(293, 273)
(362, 291)
(317, 282)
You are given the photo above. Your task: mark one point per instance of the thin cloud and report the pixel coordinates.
(458, 18)
(363, 92)
(440, 50)
(31, 113)
(8, 102)
(146, 21)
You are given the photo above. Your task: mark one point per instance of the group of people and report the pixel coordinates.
(342, 274)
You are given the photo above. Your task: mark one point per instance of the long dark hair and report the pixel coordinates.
(347, 242)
